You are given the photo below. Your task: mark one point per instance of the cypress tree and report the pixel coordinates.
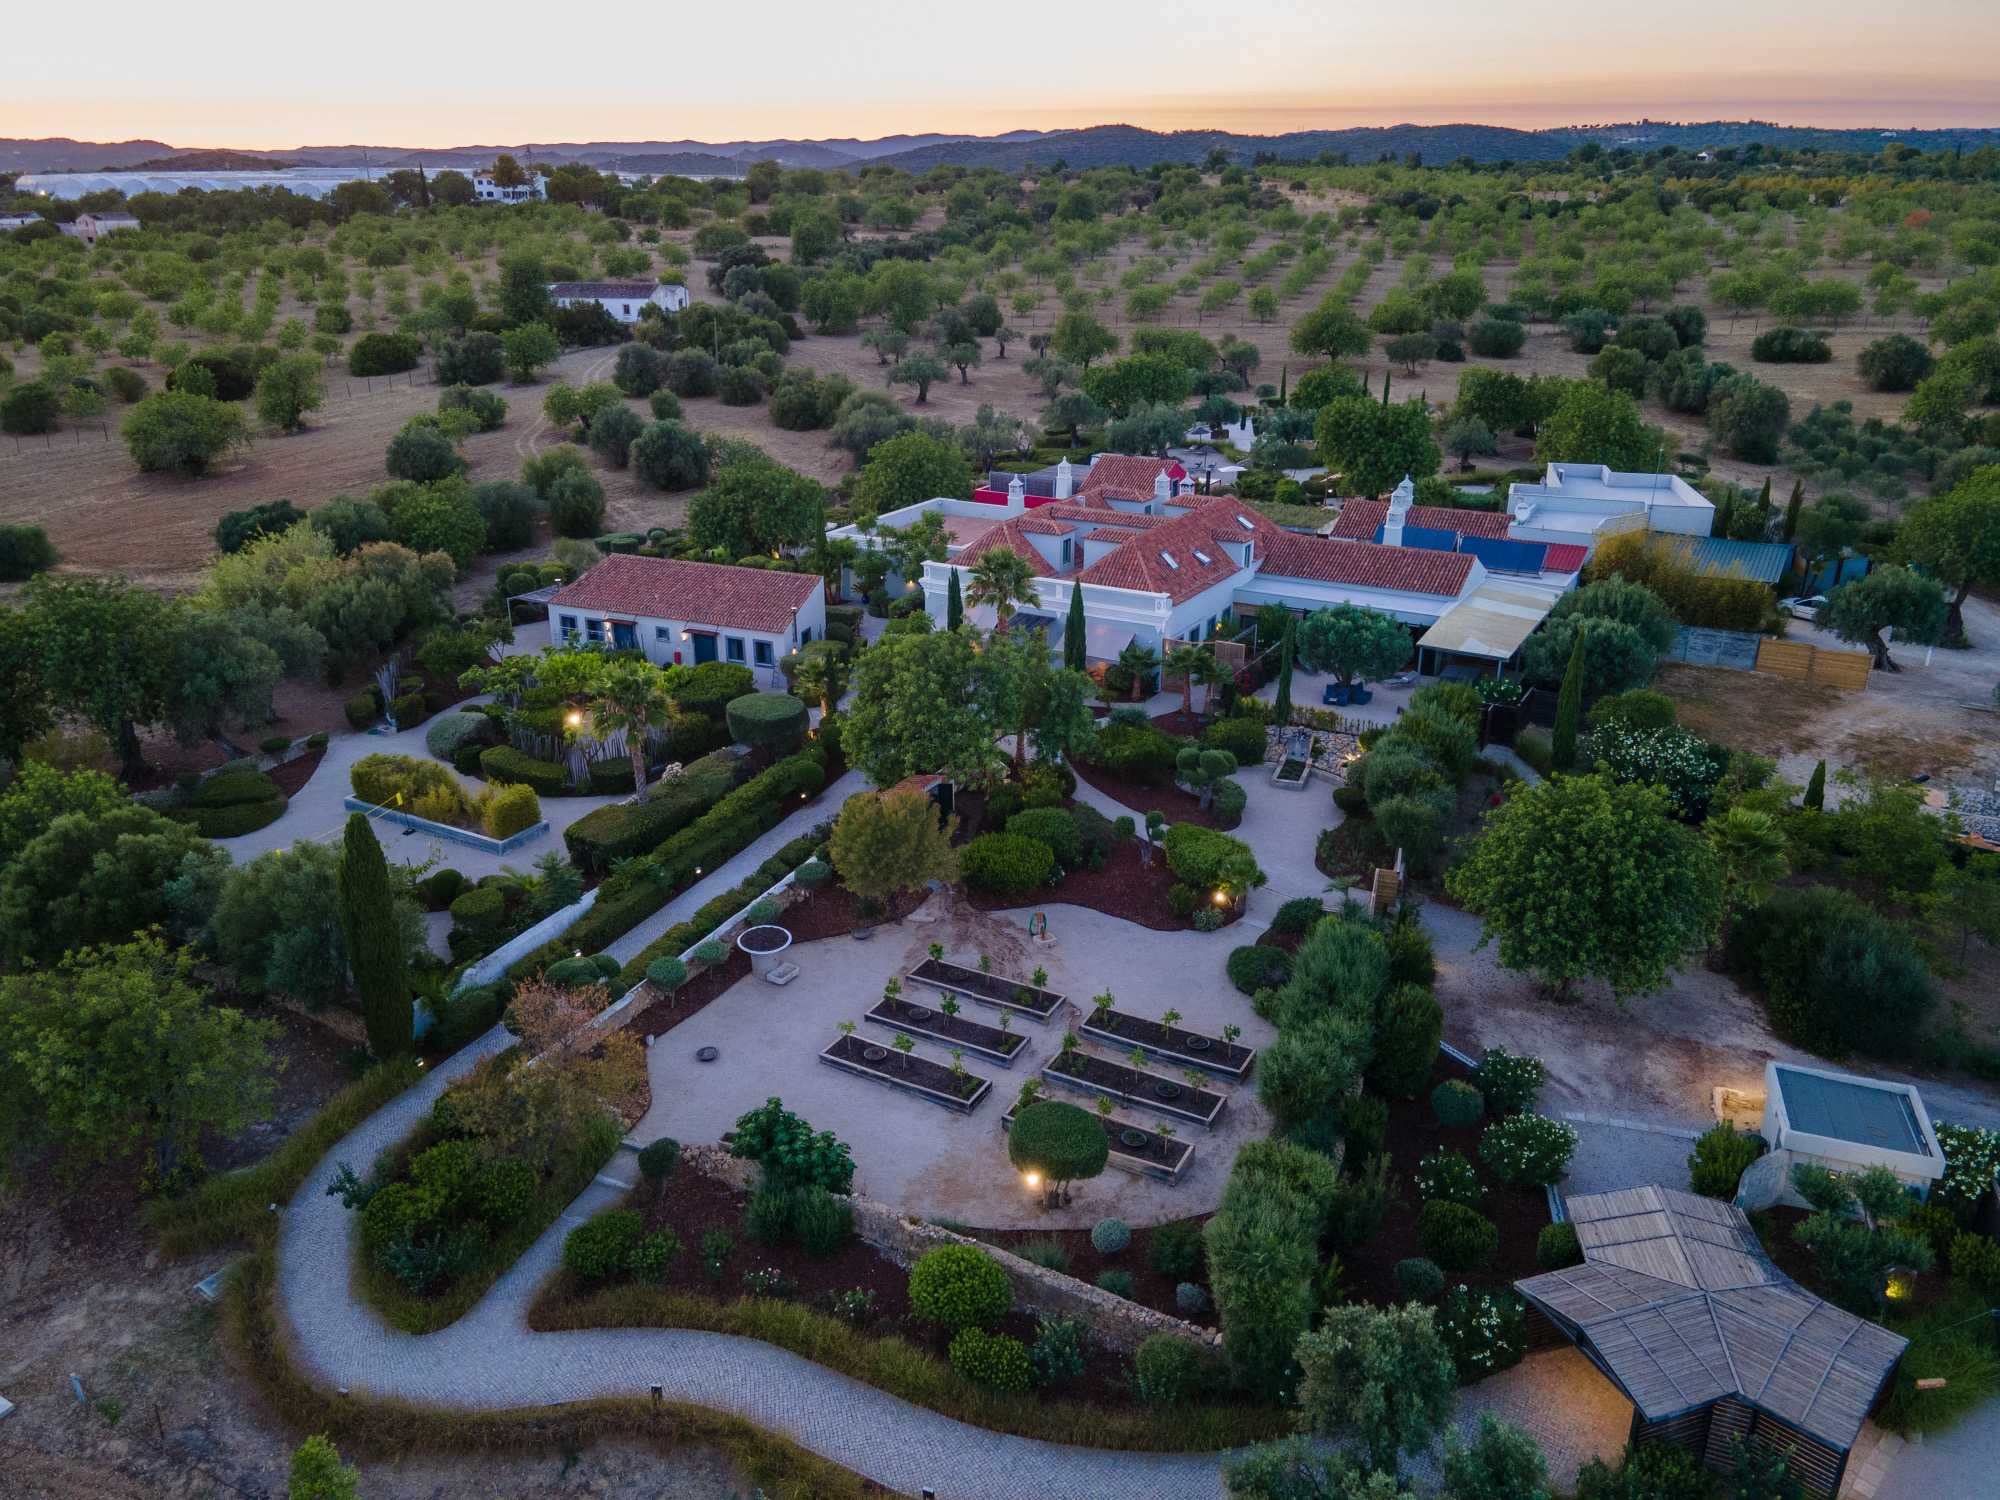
(954, 606)
(374, 945)
(1792, 507)
(1385, 386)
(1569, 708)
(1281, 705)
(1073, 631)
(1815, 797)
(1764, 510)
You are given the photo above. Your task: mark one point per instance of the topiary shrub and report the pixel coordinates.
(1109, 1236)
(1118, 1283)
(994, 1360)
(504, 764)
(1191, 1298)
(480, 910)
(1456, 1237)
(659, 1159)
(1298, 916)
(1167, 1370)
(602, 1247)
(1457, 1103)
(1174, 1250)
(712, 687)
(773, 722)
(1062, 1142)
(958, 1286)
(507, 810)
(362, 710)
(1719, 1160)
(1556, 1247)
(1417, 1279)
(1254, 968)
(1528, 1150)
(1051, 826)
(1006, 864)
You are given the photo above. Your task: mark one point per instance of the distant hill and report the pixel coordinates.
(218, 161)
(61, 154)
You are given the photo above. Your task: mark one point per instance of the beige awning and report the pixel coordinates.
(1491, 621)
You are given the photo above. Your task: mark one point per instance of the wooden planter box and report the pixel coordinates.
(1184, 1048)
(1159, 1158)
(996, 990)
(1144, 1091)
(949, 1031)
(913, 1075)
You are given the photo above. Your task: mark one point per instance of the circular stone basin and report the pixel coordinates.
(1167, 1090)
(919, 1013)
(1196, 1043)
(1134, 1137)
(763, 944)
(706, 1054)
(874, 1054)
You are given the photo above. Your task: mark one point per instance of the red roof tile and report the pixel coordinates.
(1011, 536)
(1211, 528)
(1119, 476)
(1359, 520)
(699, 593)
(1565, 557)
(1104, 515)
(1414, 570)
(1045, 525)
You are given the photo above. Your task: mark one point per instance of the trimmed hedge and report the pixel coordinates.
(627, 829)
(959, 1286)
(1197, 855)
(682, 936)
(712, 687)
(607, 778)
(231, 788)
(236, 819)
(768, 721)
(1052, 826)
(1006, 864)
(503, 764)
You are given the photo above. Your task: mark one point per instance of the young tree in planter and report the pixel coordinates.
(1889, 598)
(631, 698)
(887, 842)
(374, 940)
(1582, 877)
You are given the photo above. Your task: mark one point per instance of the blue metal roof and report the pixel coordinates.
(1767, 562)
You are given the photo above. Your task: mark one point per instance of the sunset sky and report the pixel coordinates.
(419, 73)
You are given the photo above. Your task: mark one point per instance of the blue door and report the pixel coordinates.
(624, 636)
(704, 649)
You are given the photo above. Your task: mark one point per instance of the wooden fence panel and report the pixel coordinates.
(1791, 659)
(1842, 669)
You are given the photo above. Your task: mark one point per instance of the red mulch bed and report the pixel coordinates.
(1149, 1287)
(1123, 888)
(1179, 806)
(692, 1204)
(1414, 1133)
(292, 776)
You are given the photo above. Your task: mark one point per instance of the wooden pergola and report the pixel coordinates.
(1678, 1305)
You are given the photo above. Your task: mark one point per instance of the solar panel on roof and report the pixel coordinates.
(1503, 556)
(1430, 538)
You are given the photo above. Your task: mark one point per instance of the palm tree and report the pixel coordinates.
(1183, 662)
(1752, 849)
(1003, 579)
(1210, 671)
(1141, 662)
(818, 680)
(631, 696)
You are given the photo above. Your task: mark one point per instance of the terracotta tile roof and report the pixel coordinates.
(1104, 515)
(1110, 534)
(1040, 523)
(1013, 537)
(1565, 557)
(638, 291)
(1414, 570)
(700, 593)
(1141, 563)
(1119, 476)
(1359, 520)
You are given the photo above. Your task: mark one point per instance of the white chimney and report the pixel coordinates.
(1017, 494)
(1399, 508)
(1163, 488)
(1065, 480)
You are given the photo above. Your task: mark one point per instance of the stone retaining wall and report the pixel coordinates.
(1114, 1322)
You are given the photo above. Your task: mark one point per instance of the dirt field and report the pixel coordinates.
(105, 516)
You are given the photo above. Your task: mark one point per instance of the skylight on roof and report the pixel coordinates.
(1202, 557)
(1246, 523)
(1168, 559)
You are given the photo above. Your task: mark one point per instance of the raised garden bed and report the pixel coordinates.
(950, 1031)
(1174, 1044)
(913, 1075)
(988, 989)
(1142, 1090)
(1292, 775)
(1138, 1149)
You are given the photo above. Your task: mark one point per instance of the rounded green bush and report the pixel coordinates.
(1167, 1370)
(1006, 864)
(1556, 1247)
(1063, 1142)
(658, 1159)
(480, 909)
(768, 721)
(1052, 826)
(650, 1259)
(569, 973)
(1253, 968)
(1528, 1150)
(1457, 1102)
(505, 1191)
(1191, 1297)
(1719, 1160)
(990, 1359)
(958, 1286)
(1109, 1236)
(1417, 1279)
(231, 788)
(1456, 1237)
(1298, 916)
(711, 951)
(602, 1247)
(668, 974)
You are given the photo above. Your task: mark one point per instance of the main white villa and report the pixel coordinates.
(1157, 563)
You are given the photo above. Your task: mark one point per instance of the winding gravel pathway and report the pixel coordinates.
(490, 1359)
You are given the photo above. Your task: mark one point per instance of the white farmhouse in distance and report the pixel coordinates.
(90, 228)
(486, 190)
(624, 300)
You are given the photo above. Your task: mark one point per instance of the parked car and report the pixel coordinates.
(1802, 608)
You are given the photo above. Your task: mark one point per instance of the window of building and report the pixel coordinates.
(567, 623)
(762, 651)
(733, 646)
(659, 632)
(805, 635)
(1067, 552)
(593, 630)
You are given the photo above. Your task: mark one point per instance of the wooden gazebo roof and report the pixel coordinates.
(1677, 1303)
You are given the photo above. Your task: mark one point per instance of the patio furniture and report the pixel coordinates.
(1335, 695)
(1360, 695)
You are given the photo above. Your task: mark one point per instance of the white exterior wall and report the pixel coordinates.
(668, 643)
(670, 298)
(1195, 614)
